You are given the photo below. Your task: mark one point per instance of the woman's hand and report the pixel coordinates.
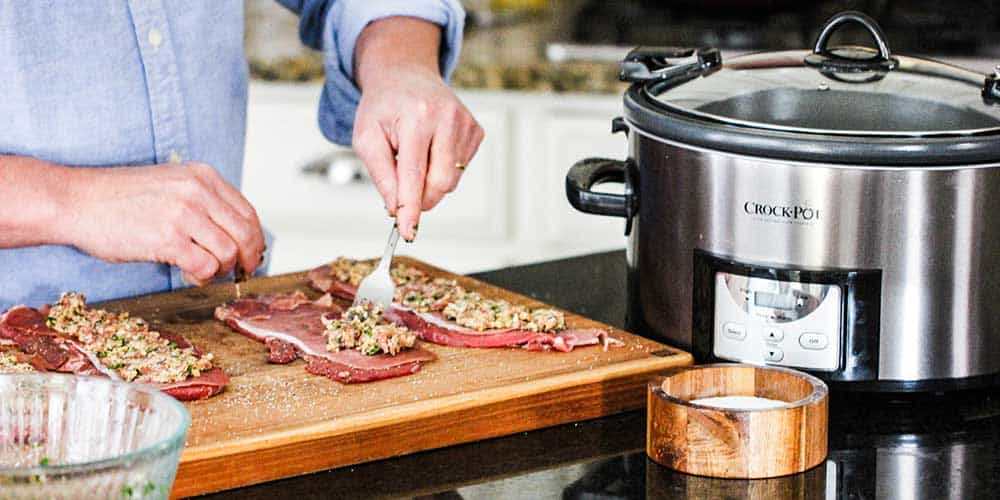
(411, 131)
(180, 214)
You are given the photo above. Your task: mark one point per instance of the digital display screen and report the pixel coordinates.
(774, 300)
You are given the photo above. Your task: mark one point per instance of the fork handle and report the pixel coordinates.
(390, 247)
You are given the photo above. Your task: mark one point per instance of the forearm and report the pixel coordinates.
(33, 197)
(390, 45)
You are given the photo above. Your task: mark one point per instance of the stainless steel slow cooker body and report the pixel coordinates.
(860, 248)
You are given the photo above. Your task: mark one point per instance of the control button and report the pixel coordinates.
(735, 331)
(773, 334)
(773, 354)
(813, 341)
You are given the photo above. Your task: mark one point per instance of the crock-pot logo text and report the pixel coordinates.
(791, 213)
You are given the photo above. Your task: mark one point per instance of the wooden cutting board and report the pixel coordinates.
(276, 421)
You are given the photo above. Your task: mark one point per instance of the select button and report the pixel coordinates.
(813, 341)
(735, 331)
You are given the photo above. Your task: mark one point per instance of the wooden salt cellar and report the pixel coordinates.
(733, 442)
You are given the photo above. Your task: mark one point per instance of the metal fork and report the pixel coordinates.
(378, 288)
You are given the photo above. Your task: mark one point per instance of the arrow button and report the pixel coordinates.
(773, 354)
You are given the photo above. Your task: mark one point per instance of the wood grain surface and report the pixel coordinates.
(735, 443)
(276, 421)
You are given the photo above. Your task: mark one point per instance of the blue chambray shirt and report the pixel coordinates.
(138, 82)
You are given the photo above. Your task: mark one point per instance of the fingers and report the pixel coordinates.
(233, 215)
(245, 236)
(197, 265)
(473, 138)
(456, 142)
(442, 175)
(373, 148)
(411, 171)
(209, 236)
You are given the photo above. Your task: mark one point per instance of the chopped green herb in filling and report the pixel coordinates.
(124, 344)
(362, 328)
(10, 363)
(474, 311)
(422, 293)
(427, 295)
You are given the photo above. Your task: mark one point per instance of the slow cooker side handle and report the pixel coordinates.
(586, 174)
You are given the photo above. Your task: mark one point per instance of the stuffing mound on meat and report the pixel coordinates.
(125, 344)
(353, 271)
(474, 311)
(350, 270)
(10, 363)
(363, 328)
(428, 294)
(420, 292)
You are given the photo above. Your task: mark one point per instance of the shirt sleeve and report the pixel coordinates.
(334, 26)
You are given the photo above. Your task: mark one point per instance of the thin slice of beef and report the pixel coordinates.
(49, 350)
(292, 324)
(207, 384)
(280, 352)
(281, 313)
(322, 279)
(435, 328)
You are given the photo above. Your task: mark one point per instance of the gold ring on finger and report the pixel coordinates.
(460, 166)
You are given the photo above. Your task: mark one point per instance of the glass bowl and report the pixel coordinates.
(84, 437)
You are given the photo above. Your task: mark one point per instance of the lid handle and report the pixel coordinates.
(644, 64)
(852, 16)
(991, 89)
(851, 59)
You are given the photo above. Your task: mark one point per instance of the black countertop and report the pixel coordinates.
(928, 446)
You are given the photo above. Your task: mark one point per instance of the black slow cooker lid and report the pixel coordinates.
(865, 103)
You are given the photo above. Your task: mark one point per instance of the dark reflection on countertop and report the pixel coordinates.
(930, 446)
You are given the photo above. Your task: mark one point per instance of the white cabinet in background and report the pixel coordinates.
(510, 207)
(568, 138)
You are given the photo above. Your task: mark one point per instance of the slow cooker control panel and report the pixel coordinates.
(766, 321)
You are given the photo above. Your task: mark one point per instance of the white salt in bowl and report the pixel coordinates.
(83, 437)
(737, 421)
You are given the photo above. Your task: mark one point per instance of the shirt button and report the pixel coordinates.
(155, 38)
(174, 157)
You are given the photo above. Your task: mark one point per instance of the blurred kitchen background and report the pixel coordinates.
(541, 77)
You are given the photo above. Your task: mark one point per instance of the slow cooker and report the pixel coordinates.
(829, 210)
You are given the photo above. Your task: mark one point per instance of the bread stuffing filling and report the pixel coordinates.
(353, 271)
(350, 270)
(124, 344)
(363, 328)
(429, 294)
(422, 293)
(474, 311)
(10, 363)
